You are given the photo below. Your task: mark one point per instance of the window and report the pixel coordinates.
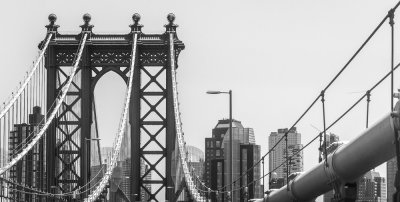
(218, 153)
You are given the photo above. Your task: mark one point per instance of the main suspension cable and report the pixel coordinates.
(59, 99)
(103, 182)
(28, 78)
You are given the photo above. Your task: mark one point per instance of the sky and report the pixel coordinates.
(276, 57)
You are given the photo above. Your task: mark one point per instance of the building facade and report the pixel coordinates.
(30, 171)
(391, 169)
(249, 156)
(278, 154)
(145, 172)
(218, 159)
(371, 188)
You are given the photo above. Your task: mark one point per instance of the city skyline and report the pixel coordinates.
(295, 47)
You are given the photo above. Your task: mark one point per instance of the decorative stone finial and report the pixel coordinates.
(86, 19)
(171, 18)
(52, 18)
(136, 27)
(136, 18)
(52, 27)
(171, 27)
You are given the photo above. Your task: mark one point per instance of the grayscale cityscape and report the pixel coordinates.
(265, 101)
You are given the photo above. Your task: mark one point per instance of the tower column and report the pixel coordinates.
(170, 116)
(134, 120)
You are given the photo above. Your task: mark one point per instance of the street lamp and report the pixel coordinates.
(230, 131)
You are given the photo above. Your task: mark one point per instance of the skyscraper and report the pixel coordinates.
(120, 187)
(249, 156)
(391, 169)
(30, 171)
(278, 155)
(144, 168)
(215, 152)
(371, 187)
(218, 159)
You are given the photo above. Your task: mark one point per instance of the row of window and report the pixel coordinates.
(210, 143)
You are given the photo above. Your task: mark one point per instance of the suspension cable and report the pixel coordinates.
(28, 78)
(319, 135)
(178, 125)
(32, 134)
(121, 129)
(327, 87)
(59, 99)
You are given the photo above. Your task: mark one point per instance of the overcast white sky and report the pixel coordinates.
(276, 56)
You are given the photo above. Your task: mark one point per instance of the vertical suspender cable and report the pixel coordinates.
(26, 102)
(33, 94)
(8, 123)
(287, 164)
(323, 119)
(20, 106)
(4, 139)
(121, 130)
(58, 102)
(391, 22)
(263, 175)
(12, 115)
(320, 147)
(368, 100)
(27, 80)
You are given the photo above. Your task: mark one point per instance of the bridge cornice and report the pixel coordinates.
(115, 39)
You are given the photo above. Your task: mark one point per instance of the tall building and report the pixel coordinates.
(196, 159)
(30, 171)
(249, 156)
(120, 186)
(214, 159)
(126, 175)
(278, 155)
(98, 169)
(371, 188)
(144, 193)
(218, 159)
(106, 153)
(391, 169)
(330, 139)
